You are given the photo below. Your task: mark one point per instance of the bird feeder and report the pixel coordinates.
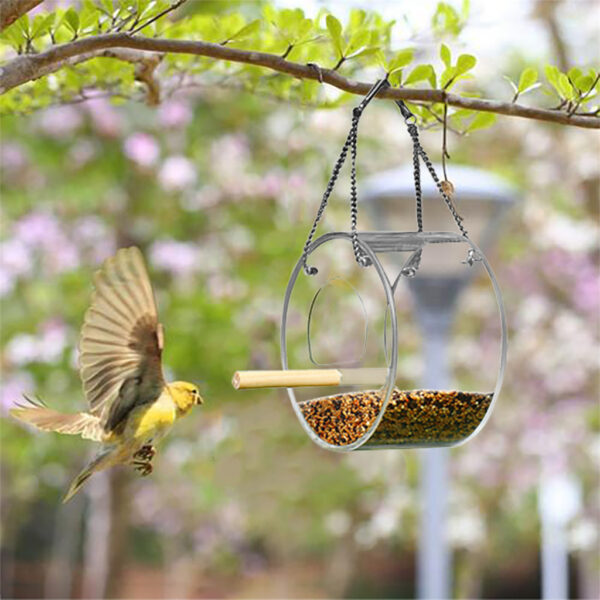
(340, 331)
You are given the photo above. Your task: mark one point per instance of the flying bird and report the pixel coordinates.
(131, 406)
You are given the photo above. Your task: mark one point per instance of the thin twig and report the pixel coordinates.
(160, 15)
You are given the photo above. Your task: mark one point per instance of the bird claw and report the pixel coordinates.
(145, 453)
(143, 468)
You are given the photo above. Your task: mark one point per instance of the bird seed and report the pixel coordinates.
(419, 417)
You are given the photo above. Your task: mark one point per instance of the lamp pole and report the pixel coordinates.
(436, 299)
(389, 199)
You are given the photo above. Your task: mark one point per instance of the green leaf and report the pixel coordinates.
(335, 31)
(445, 55)
(41, 25)
(565, 88)
(72, 20)
(23, 24)
(421, 73)
(447, 77)
(359, 40)
(446, 20)
(400, 60)
(14, 36)
(574, 73)
(246, 31)
(465, 63)
(528, 78)
(481, 121)
(584, 83)
(513, 85)
(552, 74)
(372, 51)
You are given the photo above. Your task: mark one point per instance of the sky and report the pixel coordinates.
(495, 29)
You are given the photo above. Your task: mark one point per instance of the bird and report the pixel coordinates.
(131, 406)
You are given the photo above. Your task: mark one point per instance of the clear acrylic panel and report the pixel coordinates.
(435, 354)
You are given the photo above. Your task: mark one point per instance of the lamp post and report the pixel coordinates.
(559, 500)
(482, 199)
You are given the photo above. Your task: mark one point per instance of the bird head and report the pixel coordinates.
(185, 395)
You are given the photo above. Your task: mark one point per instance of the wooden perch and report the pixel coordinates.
(307, 378)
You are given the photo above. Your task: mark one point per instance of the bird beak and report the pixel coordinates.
(199, 400)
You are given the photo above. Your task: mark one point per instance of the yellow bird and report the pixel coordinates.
(131, 405)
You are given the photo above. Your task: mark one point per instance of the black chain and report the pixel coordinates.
(350, 144)
(334, 175)
(360, 256)
(418, 151)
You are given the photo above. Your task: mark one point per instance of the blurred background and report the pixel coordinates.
(219, 187)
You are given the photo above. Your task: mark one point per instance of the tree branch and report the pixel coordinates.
(29, 67)
(11, 10)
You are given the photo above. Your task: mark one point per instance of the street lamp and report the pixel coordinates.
(482, 199)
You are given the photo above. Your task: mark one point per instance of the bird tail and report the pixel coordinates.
(102, 461)
(36, 413)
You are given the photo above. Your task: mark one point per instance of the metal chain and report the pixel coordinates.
(350, 144)
(418, 150)
(414, 133)
(361, 258)
(334, 175)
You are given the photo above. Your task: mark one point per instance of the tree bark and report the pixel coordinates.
(11, 10)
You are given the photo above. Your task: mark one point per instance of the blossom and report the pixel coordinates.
(60, 121)
(13, 388)
(15, 257)
(174, 114)
(38, 228)
(141, 148)
(12, 157)
(177, 173)
(106, 120)
(47, 346)
(179, 258)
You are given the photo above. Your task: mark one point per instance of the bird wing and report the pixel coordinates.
(121, 340)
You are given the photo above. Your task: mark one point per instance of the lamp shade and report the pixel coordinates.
(480, 197)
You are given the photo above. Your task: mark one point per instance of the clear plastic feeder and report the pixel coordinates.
(346, 318)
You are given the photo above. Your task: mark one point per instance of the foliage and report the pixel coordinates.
(218, 187)
(363, 42)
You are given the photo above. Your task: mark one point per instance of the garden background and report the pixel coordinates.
(218, 187)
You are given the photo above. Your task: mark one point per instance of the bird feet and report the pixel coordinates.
(145, 453)
(143, 468)
(143, 460)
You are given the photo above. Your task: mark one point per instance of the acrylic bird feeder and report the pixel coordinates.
(341, 337)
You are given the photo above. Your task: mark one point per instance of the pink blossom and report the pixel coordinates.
(38, 229)
(82, 153)
(179, 258)
(46, 346)
(15, 257)
(12, 389)
(22, 349)
(60, 122)
(174, 114)
(93, 236)
(7, 283)
(53, 341)
(105, 118)
(177, 173)
(12, 157)
(586, 296)
(142, 149)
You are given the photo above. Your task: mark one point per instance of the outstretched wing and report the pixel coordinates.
(121, 340)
